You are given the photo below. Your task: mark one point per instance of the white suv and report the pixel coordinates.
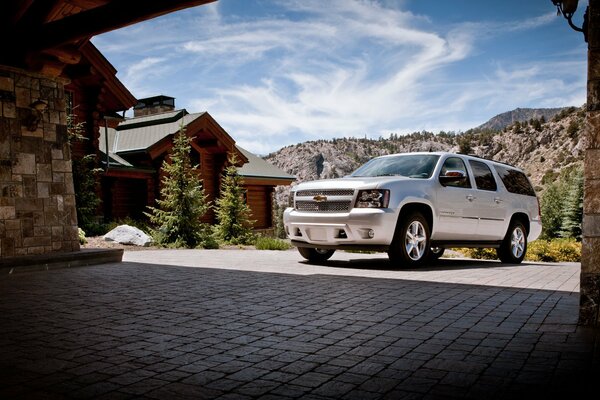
(413, 206)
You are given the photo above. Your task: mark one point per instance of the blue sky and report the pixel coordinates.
(279, 72)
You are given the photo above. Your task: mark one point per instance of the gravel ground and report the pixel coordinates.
(98, 242)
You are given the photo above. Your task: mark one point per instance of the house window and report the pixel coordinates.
(195, 158)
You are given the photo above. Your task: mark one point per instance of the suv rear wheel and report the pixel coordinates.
(315, 255)
(410, 246)
(514, 246)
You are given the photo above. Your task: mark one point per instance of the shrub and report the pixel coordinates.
(480, 254)
(557, 250)
(268, 243)
(81, 234)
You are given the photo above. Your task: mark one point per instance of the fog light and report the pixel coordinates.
(371, 233)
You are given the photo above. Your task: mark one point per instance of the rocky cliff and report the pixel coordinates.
(541, 146)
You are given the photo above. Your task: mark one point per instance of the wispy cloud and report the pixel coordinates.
(314, 69)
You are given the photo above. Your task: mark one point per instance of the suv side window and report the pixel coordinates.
(456, 164)
(484, 180)
(515, 181)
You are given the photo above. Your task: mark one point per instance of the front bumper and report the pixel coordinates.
(359, 227)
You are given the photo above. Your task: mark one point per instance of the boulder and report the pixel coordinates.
(126, 234)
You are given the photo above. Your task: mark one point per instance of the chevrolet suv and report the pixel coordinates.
(415, 205)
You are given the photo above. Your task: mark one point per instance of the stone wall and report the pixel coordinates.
(590, 258)
(37, 200)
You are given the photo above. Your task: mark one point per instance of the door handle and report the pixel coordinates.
(498, 200)
(470, 197)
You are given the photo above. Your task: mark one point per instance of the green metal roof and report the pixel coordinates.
(256, 167)
(146, 131)
(138, 134)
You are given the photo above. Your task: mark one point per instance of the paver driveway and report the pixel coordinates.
(250, 324)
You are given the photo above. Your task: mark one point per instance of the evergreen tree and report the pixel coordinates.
(279, 229)
(551, 205)
(233, 214)
(182, 202)
(573, 207)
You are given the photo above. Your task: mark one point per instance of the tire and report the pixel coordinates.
(315, 255)
(514, 246)
(436, 252)
(410, 246)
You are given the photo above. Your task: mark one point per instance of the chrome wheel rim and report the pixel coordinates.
(415, 241)
(517, 242)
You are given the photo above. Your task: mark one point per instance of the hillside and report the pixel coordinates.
(503, 120)
(541, 147)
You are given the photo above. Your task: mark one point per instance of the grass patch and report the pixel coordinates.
(269, 243)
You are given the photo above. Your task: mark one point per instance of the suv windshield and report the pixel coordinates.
(410, 165)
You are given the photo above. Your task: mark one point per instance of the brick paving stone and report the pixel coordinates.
(144, 386)
(146, 330)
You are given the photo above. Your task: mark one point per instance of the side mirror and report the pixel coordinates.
(452, 176)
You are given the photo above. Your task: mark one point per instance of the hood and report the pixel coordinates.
(352, 183)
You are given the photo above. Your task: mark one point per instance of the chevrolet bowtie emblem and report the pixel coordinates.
(319, 198)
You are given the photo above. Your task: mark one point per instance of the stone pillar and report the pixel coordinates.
(37, 199)
(590, 258)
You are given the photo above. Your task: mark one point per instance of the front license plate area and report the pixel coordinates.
(317, 234)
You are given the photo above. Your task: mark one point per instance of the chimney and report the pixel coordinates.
(153, 105)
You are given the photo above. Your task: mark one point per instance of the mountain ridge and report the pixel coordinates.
(541, 146)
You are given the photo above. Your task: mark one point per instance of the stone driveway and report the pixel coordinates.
(241, 324)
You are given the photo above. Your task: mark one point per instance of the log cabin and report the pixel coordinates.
(138, 146)
(48, 63)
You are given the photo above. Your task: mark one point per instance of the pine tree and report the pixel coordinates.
(573, 207)
(279, 229)
(552, 210)
(182, 202)
(233, 214)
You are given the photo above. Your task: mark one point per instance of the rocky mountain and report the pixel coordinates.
(503, 120)
(540, 146)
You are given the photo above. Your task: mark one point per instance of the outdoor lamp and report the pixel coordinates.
(567, 8)
(33, 119)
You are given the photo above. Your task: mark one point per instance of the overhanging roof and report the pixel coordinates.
(50, 32)
(258, 168)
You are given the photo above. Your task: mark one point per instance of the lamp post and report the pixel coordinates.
(567, 8)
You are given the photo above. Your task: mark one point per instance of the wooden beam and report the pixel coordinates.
(65, 54)
(114, 15)
(37, 14)
(12, 11)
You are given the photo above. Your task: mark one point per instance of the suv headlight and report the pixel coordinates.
(374, 198)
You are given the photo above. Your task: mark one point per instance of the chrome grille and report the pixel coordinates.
(329, 206)
(326, 192)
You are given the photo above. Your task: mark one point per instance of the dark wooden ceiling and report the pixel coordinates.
(46, 35)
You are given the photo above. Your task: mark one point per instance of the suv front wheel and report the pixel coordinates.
(315, 255)
(410, 246)
(514, 246)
